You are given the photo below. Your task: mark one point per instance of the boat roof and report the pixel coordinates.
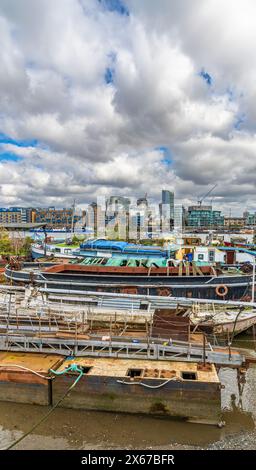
(237, 248)
(103, 244)
(160, 262)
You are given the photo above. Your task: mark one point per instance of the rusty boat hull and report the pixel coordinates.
(154, 281)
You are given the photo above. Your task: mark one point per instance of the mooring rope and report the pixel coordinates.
(146, 385)
(73, 368)
(25, 368)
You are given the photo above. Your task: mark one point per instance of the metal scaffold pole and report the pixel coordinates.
(253, 281)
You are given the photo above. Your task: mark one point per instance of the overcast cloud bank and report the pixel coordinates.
(110, 97)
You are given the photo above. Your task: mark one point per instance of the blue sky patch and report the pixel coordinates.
(109, 75)
(115, 5)
(167, 155)
(9, 157)
(240, 118)
(5, 139)
(206, 77)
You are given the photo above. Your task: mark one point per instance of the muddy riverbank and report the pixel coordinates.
(74, 429)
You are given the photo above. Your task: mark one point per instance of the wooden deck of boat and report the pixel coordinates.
(40, 363)
(129, 270)
(151, 369)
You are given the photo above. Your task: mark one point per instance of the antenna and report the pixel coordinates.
(73, 214)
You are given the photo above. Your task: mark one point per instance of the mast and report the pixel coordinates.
(73, 214)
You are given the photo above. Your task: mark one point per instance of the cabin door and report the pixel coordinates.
(230, 257)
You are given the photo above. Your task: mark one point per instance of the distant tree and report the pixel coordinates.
(76, 240)
(6, 247)
(25, 249)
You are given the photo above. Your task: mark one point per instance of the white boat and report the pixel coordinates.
(57, 251)
(222, 322)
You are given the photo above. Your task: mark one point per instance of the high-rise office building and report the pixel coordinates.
(204, 216)
(115, 203)
(95, 218)
(250, 218)
(167, 210)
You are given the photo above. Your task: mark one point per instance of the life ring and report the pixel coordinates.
(221, 290)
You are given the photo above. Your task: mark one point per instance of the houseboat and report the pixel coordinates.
(135, 276)
(98, 248)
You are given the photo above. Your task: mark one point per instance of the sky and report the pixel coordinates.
(128, 97)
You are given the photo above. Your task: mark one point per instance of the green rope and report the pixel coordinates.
(73, 368)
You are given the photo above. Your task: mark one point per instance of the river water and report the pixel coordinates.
(75, 429)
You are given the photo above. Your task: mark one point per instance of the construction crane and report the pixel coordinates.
(205, 195)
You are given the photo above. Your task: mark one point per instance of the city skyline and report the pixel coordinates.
(161, 216)
(104, 199)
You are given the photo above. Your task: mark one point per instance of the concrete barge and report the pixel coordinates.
(23, 377)
(188, 391)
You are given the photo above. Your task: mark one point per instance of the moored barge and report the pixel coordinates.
(185, 280)
(189, 391)
(24, 377)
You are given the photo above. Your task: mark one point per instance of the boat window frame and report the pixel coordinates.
(212, 256)
(189, 372)
(130, 369)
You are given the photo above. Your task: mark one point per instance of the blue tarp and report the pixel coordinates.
(122, 247)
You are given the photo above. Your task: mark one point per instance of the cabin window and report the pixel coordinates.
(201, 257)
(134, 373)
(67, 250)
(188, 375)
(143, 306)
(211, 256)
(57, 250)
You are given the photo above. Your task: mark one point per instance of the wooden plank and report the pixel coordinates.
(187, 268)
(198, 270)
(180, 268)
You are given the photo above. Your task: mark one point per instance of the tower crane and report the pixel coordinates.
(205, 195)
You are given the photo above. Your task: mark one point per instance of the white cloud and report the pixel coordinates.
(97, 138)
